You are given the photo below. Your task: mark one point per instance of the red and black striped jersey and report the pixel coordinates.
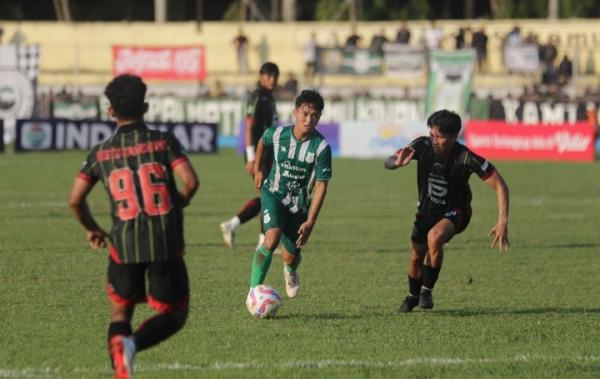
(444, 182)
(136, 167)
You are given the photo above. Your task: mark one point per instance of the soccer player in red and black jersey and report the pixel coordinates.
(261, 114)
(137, 167)
(443, 172)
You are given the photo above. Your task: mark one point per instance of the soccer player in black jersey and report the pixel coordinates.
(261, 114)
(443, 172)
(137, 167)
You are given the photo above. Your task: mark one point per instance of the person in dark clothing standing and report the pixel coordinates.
(261, 114)
(137, 166)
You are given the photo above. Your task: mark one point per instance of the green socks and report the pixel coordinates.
(294, 266)
(260, 265)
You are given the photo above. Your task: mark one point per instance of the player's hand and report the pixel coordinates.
(258, 179)
(304, 233)
(499, 234)
(250, 167)
(404, 156)
(96, 238)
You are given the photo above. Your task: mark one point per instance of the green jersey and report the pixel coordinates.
(296, 166)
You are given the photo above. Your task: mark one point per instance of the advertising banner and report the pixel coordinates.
(500, 140)
(450, 79)
(377, 140)
(522, 58)
(76, 110)
(43, 135)
(164, 63)
(361, 62)
(17, 98)
(403, 60)
(329, 60)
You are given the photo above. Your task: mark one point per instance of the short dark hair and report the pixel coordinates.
(446, 121)
(126, 94)
(310, 97)
(269, 68)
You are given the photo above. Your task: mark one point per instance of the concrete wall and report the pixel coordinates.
(80, 53)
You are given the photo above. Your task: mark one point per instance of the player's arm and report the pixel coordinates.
(315, 207)
(250, 148)
(190, 183)
(77, 202)
(499, 232)
(401, 158)
(256, 169)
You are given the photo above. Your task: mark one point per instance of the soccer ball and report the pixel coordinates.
(263, 301)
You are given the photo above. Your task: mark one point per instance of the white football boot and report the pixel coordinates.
(292, 282)
(228, 234)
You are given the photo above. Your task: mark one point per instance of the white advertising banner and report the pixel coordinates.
(377, 140)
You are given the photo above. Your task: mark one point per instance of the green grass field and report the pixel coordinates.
(531, 312)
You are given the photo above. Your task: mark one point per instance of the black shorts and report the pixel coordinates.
(168, 284)
(460, 217)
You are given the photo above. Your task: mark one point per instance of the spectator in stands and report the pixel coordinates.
(565, 70)
(460, 38)
(479, 42)
(353, 39)
(548, 54)
(263, 50)
(241, 47)
(290, 87)
(403, 34)
(217, 90)
(377, 42)
(310, 55)
(514, 37)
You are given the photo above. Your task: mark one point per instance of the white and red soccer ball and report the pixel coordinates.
(263, 301)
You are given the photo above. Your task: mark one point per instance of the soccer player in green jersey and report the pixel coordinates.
(444, 209)
(301, 163)
(137, 167)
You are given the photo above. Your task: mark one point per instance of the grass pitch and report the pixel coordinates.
(531, 312)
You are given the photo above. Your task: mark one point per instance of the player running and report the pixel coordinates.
(302, 160)
(261, 114)
(137, 168)
(444, 208)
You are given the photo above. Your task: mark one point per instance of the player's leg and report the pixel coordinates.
(418, 251)
(417, 254)
(291, 253)
(125, 288)
(441, 233)
(228, 228)
(169, 295)
(272, 220)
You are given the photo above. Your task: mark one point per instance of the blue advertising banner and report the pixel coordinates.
(44, 135)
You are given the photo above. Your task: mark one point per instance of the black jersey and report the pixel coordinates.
(261, 107)
(136, 167)
(444, 183)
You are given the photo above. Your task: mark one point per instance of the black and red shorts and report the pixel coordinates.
(168, 284)
(460, 217)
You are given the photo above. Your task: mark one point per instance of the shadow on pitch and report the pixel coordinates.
(515, 312)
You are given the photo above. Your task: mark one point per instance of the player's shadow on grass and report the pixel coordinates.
(514, 312)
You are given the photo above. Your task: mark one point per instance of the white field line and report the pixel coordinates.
(48, 372)
(35, 204)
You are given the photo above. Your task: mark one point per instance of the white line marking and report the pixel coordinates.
(49, 372)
